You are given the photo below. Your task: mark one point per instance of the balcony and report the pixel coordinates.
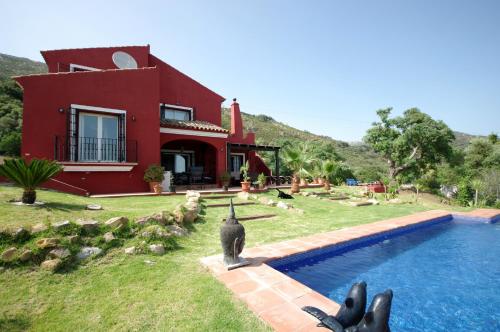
(94, 150)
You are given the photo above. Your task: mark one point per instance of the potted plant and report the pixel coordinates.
(225, 179)
(154, 175)
(298, 160)
(245, 184)
(29, 176)
(261, 179)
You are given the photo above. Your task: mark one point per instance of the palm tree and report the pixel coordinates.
(477, 185)
(29, 176)
(327, 168)
(298, 159)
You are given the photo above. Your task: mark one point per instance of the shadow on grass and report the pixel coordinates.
(66, 207)
(16, 323)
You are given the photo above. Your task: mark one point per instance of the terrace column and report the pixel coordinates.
(277, 166)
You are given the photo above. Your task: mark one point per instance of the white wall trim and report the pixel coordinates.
(192, 132)
(97, 168)
(182, 108)
(72, 67)
(98, 109)
(177, 106)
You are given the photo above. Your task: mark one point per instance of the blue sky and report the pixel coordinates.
(322, 66)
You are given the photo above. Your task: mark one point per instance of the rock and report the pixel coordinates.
(373, 201)
(21, 234)
(51, 264)
(155, 231)
(305, 193)
(117, 221)
(192, 194)
(73, 238)
(47, 243)
(179, 214)
(61, 225)
(88, 225)
(26, 255)
(283, 205)
(108, 237)
(190, 216)
(193, 199)
(193, 206)
(157, 249)
(177, 231)
(161, 218)
(38, 228)
(59, 253)
(147, 261)
(130, 250)
(313, 196)
(9, 254)
(243, 195)
(264, 200)
(271, 203)
(86, 252)
(93, 207)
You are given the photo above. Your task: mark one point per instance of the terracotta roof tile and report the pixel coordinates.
(194, 125)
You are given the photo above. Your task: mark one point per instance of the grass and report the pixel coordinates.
(119, 292)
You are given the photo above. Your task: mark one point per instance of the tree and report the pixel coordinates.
(477, 185)
(413, 141)
(29, 176)
(477, 152)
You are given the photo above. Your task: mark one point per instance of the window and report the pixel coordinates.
(97, 137)
(177, 162)
(179, 113)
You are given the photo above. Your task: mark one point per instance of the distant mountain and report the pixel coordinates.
(12, 66)
(462, 139)
(271, 132)
(268, 130)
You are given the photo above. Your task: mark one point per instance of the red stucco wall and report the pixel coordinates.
(100, 58)
(134, 91)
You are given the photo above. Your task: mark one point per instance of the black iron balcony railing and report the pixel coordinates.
(92, 149)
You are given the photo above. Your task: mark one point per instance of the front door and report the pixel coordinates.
(237, 160)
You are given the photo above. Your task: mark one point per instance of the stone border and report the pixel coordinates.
(276, 298)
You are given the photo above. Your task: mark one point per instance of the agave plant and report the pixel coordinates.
(29, 176)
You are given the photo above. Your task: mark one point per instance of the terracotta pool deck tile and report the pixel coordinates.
(264, 299)
(286, 317)
(317, 300)
(244, 287)
(277, 298)
(234, 276)
(291, 289)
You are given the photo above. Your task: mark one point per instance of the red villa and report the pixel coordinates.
(107, 113)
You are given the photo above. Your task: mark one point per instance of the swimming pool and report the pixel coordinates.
(445, 274)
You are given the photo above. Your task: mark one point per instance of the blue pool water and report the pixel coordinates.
(445, 276)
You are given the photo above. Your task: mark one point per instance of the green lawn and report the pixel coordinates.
(119, 292)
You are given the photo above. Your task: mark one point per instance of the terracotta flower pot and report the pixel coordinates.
(245, 186)
(315, 180)
(327, 185)
(321, 181)
(158, 189)
(152, 186)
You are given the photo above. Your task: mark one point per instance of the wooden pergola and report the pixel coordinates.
(254, 147)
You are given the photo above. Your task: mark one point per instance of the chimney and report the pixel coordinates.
(236, 122)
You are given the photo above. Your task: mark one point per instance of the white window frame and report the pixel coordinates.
(192, 157)
(233, 174)
(180, 108)
(99, 136)
(73, 66)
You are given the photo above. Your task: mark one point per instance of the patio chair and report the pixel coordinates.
(196, 176)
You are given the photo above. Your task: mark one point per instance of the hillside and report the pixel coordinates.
(269, 131)
(13, 65)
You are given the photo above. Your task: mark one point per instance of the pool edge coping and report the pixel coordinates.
(277, 299)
